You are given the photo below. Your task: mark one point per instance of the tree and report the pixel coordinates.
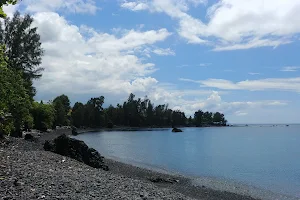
(65, 102)
(14, 99)
(93, 115)
(190, 121)
(178, 118)
(62, 108)
(23, 48)
(198, 118)
(218, 118)
(60, 114)
(207, 118)
(78, 115)
(43, 116)
(149, 113)
(136, 113)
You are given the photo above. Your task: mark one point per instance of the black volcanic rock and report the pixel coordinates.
(77, 150)
(176, 130)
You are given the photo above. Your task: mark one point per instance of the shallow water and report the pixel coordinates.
(262, 156)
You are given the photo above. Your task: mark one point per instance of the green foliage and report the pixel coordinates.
(78, 114)
(5, 2)
(23, 48)
(13, 98)
(208, 118)
(43, 116)
(138, 113)
(134, 112)
(198, 118)
(93, 115)
(65, 101)
(62, 108)
(218, 118)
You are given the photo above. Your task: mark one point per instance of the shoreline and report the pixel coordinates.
(185, 188)
(195, 187)
(127, 128)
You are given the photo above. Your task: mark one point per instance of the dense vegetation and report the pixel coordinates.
(138, 113)
(20, 58)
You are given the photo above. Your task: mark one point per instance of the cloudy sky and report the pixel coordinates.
(239, 57)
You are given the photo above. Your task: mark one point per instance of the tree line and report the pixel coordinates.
(20, 58)
(135, 112)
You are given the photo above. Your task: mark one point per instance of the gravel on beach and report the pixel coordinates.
(31, 174)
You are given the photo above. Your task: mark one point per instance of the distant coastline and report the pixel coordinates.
(127, 128)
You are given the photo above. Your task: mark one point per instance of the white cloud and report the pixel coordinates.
(130, 40)
(254, 43)
(164, 52)
(10, 9)
(73, 6)
(235, 24)
(210, 101)
(278, 84)
(290, 69)
(134, 6)
(80, 60)
(253, 73)
(240, 113)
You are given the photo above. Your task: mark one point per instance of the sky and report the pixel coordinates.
(238, 57)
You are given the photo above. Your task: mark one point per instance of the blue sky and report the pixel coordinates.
(239, 57)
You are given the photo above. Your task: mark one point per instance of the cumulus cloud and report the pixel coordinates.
(278, 84)
(234, 24)
(134, 6)
(240, 113)
(164, 52)
(80, 60)
(73, 6)
(253, 73)
(290, 69)
(211, 101)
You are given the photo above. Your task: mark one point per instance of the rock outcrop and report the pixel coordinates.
(77, 150)
(28, 136)
(176, 130)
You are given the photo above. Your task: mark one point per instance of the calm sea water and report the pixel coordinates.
(265, 157)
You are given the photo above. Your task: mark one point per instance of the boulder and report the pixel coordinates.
(77, 150)
(176, 130)
(28, 136)
(74, 130)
